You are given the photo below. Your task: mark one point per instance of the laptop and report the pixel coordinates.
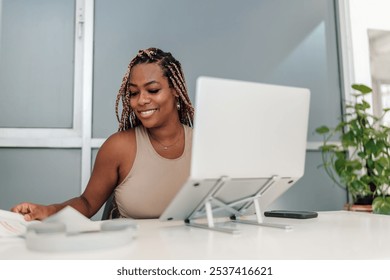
(249, 147)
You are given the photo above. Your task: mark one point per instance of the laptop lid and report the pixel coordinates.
(249, 133)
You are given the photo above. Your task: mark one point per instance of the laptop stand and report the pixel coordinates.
(211, 204)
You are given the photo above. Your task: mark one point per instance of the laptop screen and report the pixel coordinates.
(245, 129)
(249, 139)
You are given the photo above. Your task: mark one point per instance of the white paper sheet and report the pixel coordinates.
(73, 220)
(13, 224)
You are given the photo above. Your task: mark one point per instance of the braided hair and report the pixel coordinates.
(171, 69)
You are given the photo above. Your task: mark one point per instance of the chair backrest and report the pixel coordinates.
(108, 208)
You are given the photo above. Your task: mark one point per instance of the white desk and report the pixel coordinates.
(331, 236)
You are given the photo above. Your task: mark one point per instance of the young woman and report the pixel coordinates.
(146, 162)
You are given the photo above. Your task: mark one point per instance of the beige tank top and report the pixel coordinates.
(153, 180)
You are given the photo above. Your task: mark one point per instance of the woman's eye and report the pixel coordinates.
(154, 91)
(132, 93)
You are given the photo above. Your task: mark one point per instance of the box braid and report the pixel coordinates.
(172, 70)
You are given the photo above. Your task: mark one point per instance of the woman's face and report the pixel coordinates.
(153, 101)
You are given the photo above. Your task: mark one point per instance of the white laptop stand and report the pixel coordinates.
(206, 208)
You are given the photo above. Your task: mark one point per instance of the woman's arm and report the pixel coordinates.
(113, 162)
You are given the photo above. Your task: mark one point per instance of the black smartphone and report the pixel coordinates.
(291, 214)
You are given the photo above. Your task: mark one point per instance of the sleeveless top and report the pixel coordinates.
(152, 181)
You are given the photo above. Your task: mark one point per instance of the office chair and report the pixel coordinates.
(108, 208)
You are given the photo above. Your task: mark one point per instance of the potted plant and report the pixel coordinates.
(361, 163)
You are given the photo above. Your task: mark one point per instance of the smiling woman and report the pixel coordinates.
(146, 162)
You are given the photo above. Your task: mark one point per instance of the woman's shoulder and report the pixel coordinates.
(120, 140)
(122, 135)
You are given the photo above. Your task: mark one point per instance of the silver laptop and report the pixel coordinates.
(249, 145)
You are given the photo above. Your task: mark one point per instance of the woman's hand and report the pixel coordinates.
(32, 211)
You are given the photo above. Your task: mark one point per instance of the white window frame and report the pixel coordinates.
(353, 44)
(79, 136)
(355, 18)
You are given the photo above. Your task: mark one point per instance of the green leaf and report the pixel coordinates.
(341, 155)
(340, 126)
(329, 148)
(339, 165)
(362, 88)
(366, 105)
(381, 205)
(322, 129)
(357, 188)
(347, 139)
(354, 165)
(384, 161)
(361, 154)
(370, 146)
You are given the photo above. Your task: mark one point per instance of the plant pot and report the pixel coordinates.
(364, 200)
(358, 207)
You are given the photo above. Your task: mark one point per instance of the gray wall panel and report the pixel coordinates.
(314, 191)
(36, 63)
(280, 42)
(42, 176)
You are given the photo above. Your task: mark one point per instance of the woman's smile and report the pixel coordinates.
(146, 113)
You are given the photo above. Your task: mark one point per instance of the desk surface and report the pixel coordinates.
(333, 235)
